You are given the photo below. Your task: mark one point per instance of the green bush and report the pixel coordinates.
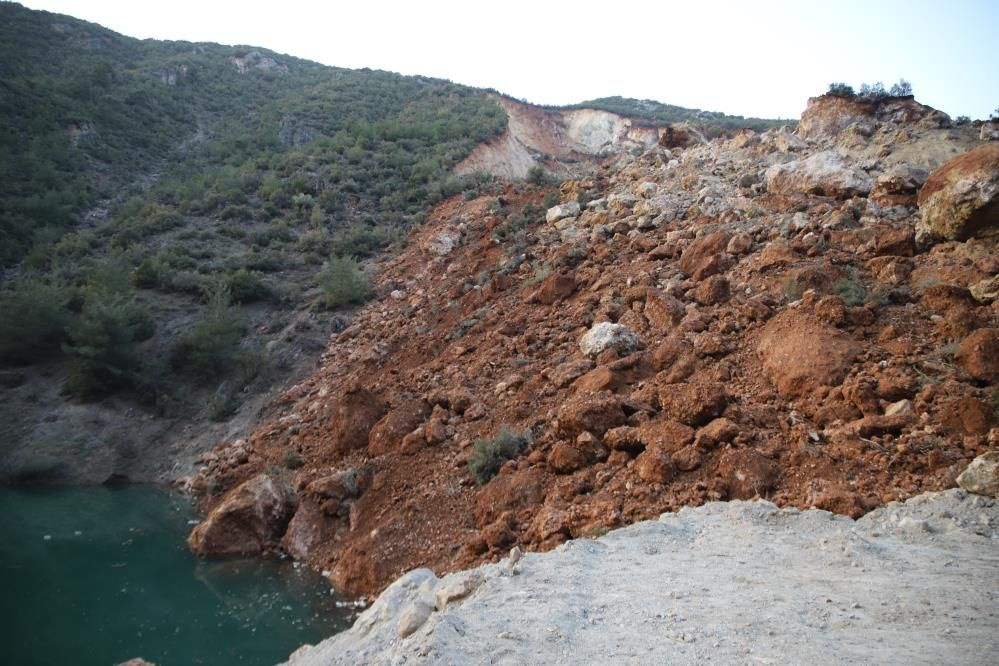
(851, 289)
(33, 320)
(488, 455)
(841, 90)
(102, 347)
(342, 282)
(213, 345)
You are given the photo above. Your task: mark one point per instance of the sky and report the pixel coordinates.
(747, 58)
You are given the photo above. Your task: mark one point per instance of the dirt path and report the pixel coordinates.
(731, 583)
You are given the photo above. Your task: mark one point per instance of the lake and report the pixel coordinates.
(98, 575)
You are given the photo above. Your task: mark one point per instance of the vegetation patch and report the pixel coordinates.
(488, 455)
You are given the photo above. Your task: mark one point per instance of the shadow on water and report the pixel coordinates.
(98, 575)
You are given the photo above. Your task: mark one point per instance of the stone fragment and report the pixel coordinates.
(562, 211)
(982, 475)
(606, 335)
(693, 404)
(413, 617)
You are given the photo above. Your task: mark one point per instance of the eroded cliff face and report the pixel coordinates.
(567, 143)
(757, 319)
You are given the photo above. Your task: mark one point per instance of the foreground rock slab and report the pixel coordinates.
(736, 582)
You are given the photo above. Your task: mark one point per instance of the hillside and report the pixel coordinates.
(788, 315)
(185, 224)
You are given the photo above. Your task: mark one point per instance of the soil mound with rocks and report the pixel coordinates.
(669, 332)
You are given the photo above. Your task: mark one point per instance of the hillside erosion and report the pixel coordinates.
(805, 318)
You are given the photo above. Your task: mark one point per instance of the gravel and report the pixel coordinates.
(728, 583)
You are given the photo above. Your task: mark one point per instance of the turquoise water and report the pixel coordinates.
(99, 575)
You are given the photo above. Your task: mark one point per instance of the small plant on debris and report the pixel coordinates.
(488, 455)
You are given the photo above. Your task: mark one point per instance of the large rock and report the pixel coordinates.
(357, 411)
(961, 199)
(801, 353)
(250, 520)
(693, 404)
(823, 173)
(982, 475)
(591, 412)
(979, 354)
(386, 435)
(606, 335)
(562, 211)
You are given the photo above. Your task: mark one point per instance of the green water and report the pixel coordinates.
(99, 575)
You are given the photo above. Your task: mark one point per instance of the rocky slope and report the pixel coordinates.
(752, 317)
(909, 583)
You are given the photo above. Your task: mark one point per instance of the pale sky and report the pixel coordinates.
(749, 58)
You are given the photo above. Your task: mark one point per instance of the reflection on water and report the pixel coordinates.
(98, 575)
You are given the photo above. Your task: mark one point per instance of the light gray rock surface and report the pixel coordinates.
(726, 583)
(606, 335)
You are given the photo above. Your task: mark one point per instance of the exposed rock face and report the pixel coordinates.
(982, 475)
(250, 520)
(823, 173)
(606, 335)
(800, 353)
(827, 115)
(961, 199)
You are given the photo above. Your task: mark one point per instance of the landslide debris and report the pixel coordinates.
(801, 346)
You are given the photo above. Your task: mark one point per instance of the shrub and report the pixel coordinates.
(33, 320)
(841, 90)
(342, 282)
(212, 346)
(102, 351)
(246, 286)
(851, 289)
(537, 175)
(488, 455)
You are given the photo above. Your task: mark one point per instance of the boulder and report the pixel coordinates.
(562, 211)
(250, 519)
(823, 173)
(899, 186)
(509, 492)
(801, 353)
(828, 115)
(696, 259)
(985, 291)
(386, 435)
(591, 412)
(982, 475)
(961, 198)
(655, 466)
(979, 355)
(357, 411)
(747, 473)
(989, 131)
(555, 288)
(693, 404)
(606, 335)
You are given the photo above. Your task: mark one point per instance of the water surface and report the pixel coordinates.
(98, 575)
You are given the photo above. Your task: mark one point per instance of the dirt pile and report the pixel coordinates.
(798, 345)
